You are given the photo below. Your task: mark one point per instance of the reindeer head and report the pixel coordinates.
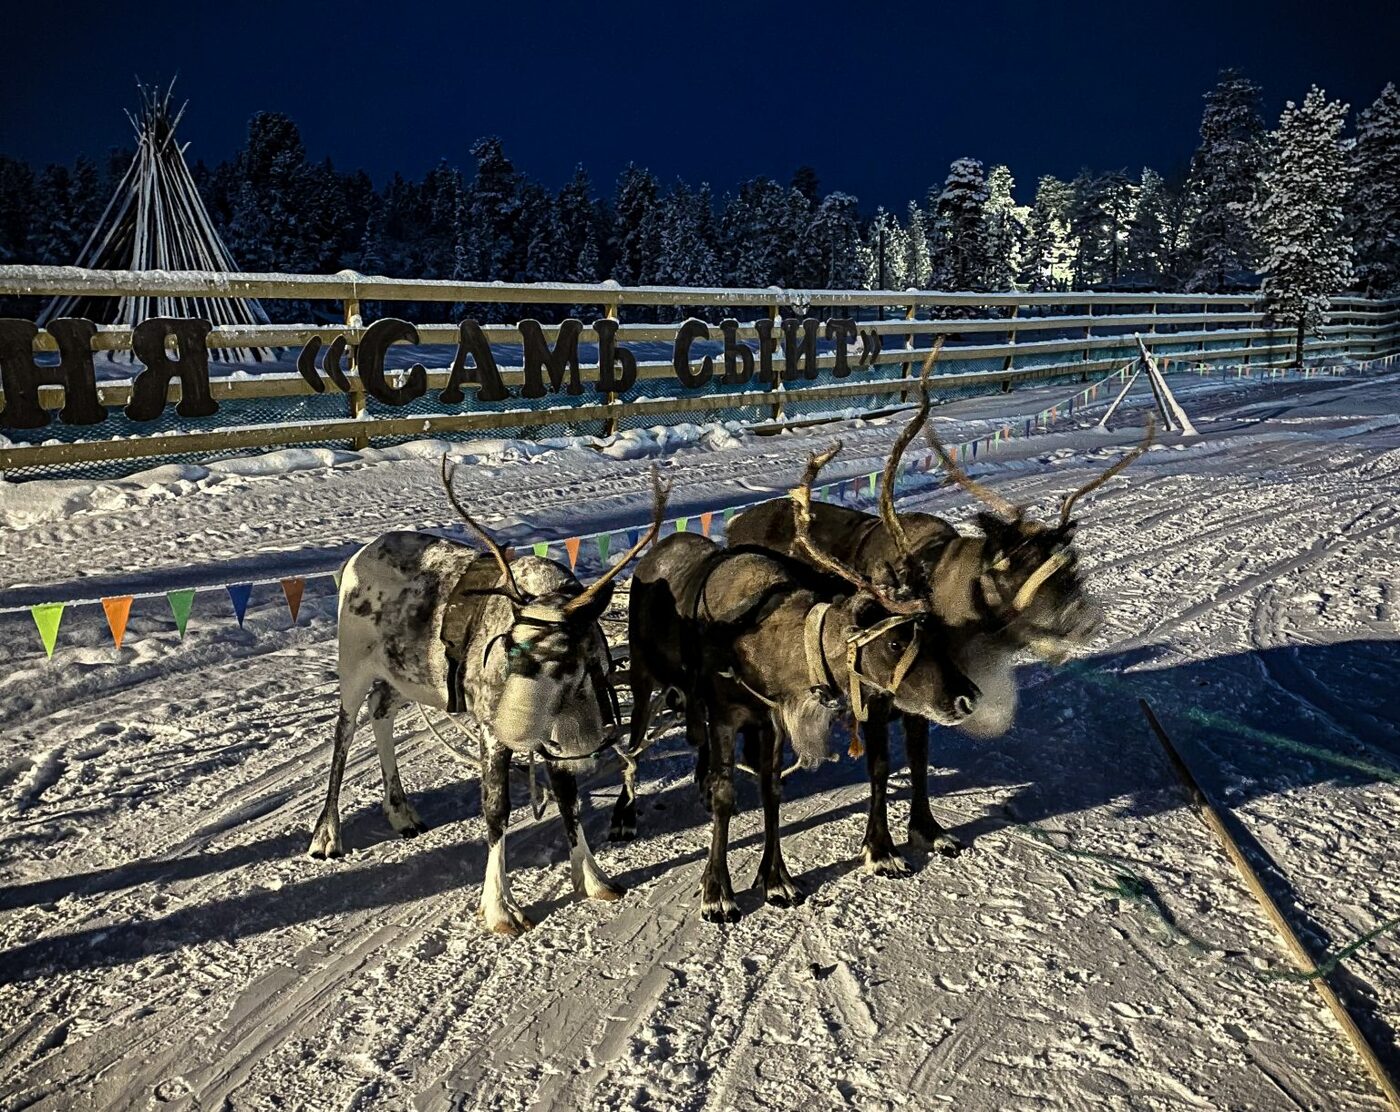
(556, 657)
(1029, 576)
(897, 646)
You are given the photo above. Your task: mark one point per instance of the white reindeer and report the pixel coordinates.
(516, 645)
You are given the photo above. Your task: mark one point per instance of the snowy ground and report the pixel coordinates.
(165, 940)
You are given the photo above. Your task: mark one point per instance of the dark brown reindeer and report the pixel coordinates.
(762, 648)
(516, 645)
(1016, 587)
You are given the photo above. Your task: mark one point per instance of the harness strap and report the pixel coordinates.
(858, 680)
(818, 675)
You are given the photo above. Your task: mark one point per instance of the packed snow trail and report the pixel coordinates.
(163, 938)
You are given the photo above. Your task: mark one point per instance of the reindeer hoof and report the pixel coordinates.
(939, 842)
(782, 895)
(722, 910)
(509, 921)
(607, 893)
(888, 864)
(326, 843)
(622, 832)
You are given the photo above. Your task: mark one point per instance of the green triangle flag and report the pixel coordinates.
(604, 545)
(681, 523)
(47, 615)
(180, 604)
(870, 481)
(336, 576)
(729, 514)
(541, 549)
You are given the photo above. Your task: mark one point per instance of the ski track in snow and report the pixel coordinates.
(165, 941)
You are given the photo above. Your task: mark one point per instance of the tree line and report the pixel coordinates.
(1302, 206)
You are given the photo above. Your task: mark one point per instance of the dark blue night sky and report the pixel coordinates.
(877, 97)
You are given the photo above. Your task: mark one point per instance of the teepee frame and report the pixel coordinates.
(156, 220)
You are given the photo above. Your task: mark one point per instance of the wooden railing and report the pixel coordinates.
(1195, 328)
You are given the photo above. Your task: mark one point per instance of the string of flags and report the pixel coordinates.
(48, 616)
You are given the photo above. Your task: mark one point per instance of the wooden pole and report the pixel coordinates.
(1301, 957)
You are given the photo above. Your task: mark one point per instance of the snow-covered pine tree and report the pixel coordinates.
(1088, 230)
(1116, 193)
(803, 260)
(1006, 230)
(579, 218)
(1373, 208)
(1224, 171)
(57, 235)
(1048, 252)
(1298, 215)
(687, 255)
(267, 230)
(1145, 252)
(804, 180)
(959, 234)
(17, 208)
(636, 233)
(886, 253)
(546, 247)
(834, 239)
(917, 269)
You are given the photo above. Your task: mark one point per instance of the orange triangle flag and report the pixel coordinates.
(118, 611)
(292, 588)
(571, 547)
(705, 520)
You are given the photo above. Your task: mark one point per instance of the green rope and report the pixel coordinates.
(1131, 887)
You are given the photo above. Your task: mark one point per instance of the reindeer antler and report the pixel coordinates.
(659, 494)
(512, 589)
(887, 482)
(1003, 506)
(801, 496)
(1149, 434)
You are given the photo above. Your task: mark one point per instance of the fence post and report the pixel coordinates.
(777, 412)
(1009, 363)
(906, 369)
(612, 310)
(358, 408)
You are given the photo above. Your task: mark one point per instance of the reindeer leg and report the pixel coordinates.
(624, 816)
(924, 831)
(778, 887)
(384, 706)
(589, 879)
(325, 835)
(880, 855)
(697, 734)
(497, 908)
(716, 891)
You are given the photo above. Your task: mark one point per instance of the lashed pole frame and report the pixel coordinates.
(1299, 952)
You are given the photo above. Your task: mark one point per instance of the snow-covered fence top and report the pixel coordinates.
(801, 354)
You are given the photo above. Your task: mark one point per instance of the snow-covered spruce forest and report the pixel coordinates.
(1228, 220)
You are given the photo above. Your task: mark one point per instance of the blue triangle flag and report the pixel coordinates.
(633, 536)
(238, 594)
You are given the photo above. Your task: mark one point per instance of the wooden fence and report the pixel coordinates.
(994, 341)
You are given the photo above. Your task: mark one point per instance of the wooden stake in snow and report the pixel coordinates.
(1304, 960)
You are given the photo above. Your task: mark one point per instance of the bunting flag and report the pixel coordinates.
(705, 520)
(604, 546)
(47, 615)
(571, 547)
(541, 549)
(729, 514)
(336, 576)
(238, 594)
(292, 590)
(633, 536)
(181, 602)
(870, 481)
(681, 523)
(118, 610)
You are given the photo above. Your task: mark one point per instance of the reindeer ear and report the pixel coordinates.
(595, 608)
(865, 610)
(992, 526)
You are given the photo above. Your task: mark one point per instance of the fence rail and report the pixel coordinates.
(1017, 338)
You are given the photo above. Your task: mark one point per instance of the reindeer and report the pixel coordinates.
(760, 647)
(516, 645)
(1017, 586)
